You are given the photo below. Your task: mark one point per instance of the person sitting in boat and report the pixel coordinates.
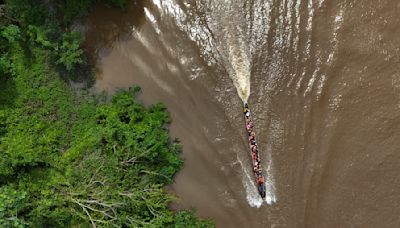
(249, 126)
(246, 108)
(252, 136)
(255, 156)
(260, 180)
(249, 122)
(246, 112)
(254, 149)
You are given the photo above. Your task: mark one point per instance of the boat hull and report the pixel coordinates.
(254, 151)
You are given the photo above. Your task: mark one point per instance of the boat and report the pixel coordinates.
(254, 151)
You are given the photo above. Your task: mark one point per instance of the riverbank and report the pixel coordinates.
(324, 94)
(72, 158)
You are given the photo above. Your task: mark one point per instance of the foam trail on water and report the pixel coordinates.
(270, 196)
(233, 43)
(252, 196)
(240, 66)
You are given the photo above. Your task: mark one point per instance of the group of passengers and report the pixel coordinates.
(253, 146)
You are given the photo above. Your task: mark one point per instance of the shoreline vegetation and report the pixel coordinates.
(76, 160)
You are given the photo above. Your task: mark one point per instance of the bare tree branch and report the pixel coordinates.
(87, 213)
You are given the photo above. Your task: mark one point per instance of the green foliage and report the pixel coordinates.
(40, 36)
(11, 33)
(186, 219)
(70, 160)
(70, 53)
(11, 202)
(46, 32)
(4, 66)
(71, 9)
(27, 12)
(73, 160)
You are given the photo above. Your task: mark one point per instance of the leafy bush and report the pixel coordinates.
(11, 33)
(11, 202)
(70, 53)
(71, 9)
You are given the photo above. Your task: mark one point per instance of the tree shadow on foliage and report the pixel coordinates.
(8, 92)
(81, 74)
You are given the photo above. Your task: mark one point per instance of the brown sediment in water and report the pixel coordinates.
(325, 93)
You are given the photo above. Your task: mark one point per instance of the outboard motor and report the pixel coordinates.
(261, 190)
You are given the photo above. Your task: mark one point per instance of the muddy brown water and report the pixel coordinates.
(325, 94)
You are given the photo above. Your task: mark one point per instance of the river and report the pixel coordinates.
(321, 77)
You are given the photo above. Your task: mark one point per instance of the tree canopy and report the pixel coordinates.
(72, 159)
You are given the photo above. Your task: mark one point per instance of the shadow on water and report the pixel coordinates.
(116, 25)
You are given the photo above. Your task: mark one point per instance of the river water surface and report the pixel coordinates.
(321, 77)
